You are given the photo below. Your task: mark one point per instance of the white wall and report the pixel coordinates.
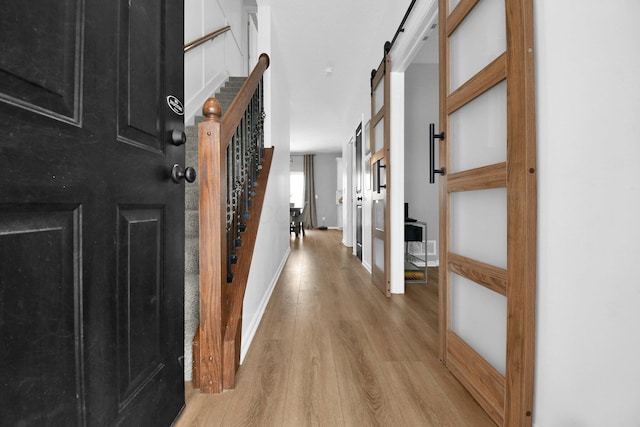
(339, 189)
(396, 201)
(207, 66)
(366, 196)
(588, 115)
(347, 192)
(326, 183)
(272, 242)
(296, 163)
(421, 108)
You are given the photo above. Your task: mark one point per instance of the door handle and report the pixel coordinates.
(432, 151)
(378, 167)
(177, 173)
(178, 137)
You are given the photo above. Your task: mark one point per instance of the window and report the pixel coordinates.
(296, 189)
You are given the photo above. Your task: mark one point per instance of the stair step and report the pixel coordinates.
(192, 289)
(191, 159)
(191, 307)
(191, 131)
(191, 194)
(236, 81)
(228, 92)
(191, 224)
(192, 255)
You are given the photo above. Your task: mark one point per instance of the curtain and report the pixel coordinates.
(309, 215)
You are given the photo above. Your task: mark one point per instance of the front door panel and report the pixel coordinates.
(91, 225)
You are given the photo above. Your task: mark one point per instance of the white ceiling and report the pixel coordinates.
(346, 35)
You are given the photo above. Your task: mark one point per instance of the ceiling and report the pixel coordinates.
(328, 49)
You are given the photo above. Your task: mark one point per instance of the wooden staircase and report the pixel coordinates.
(223, 215)
(225, 97)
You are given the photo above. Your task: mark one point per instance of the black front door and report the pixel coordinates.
(91, 224)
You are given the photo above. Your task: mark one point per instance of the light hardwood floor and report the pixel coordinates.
(333, 351)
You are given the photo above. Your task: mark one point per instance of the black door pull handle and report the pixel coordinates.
(432, 151)
(378, 167)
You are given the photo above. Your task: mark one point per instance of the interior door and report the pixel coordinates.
(91, 223)
(358, 180)
(488, 202)
(380, 135)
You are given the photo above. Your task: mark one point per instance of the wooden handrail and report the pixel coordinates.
(197, 42)
(236, 110)
(216, 347)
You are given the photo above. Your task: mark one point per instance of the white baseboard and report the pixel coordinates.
(253, 327)
(366, 266)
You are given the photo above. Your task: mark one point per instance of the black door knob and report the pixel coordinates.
(178, 137)
(177, 173)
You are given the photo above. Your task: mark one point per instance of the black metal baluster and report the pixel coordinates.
(245, 132)
(245, 154)
(237, 191)
(231, 258)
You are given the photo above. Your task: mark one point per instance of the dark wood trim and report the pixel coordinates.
(518, 175)
(231, 353)
(378, 76)
(485, 384)
(377, 117)
(221, 304)
(443, 276)
(381, 279)
(490, 277)
(484, 80)
(195, 359)
(212, 35)
(387, 171)
(458, 14)
(212, 176)
(521, 216)
(492, 176)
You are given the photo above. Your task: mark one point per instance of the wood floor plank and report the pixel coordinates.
(313, 397)
(467, 408)
(363, 389)
(386, 337)
(259, 396)
(417, 394)
(419, 329)
(331, 350)
(203, 410)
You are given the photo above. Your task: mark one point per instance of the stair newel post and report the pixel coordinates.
(212, 169)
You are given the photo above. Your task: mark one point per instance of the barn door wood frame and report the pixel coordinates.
(507, 398)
